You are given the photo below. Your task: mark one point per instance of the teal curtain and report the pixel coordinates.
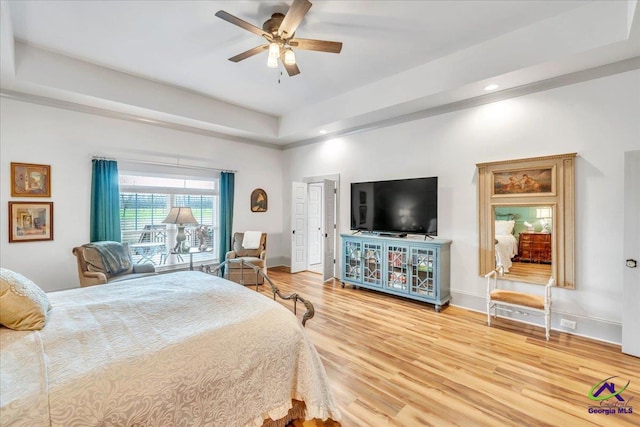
(226, 212)
(105, 202)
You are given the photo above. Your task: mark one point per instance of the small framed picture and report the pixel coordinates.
(258, 200)
(30, 180)
(30, 222)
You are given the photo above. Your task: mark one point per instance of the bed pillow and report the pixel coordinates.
(504, 227)
(23, 305)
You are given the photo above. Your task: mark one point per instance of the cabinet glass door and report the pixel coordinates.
(353, 261)
(397, 268)
(372, 263)
(423, 281)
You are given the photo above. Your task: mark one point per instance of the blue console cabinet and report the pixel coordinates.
(409, 267)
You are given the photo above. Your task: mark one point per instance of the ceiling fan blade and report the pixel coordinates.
(244, 55)
(293, 18)
(292, 69)
(319, 45)
(242, 24)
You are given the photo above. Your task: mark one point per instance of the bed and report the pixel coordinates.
(178, 349)
(506, 244)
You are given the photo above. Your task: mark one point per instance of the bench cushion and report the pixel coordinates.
(518, 298)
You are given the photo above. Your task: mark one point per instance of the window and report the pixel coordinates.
(145, 200)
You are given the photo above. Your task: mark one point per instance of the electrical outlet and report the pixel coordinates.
(567, 323)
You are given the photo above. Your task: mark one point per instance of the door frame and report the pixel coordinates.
(336, 179)
(631, 251)
(318, 265)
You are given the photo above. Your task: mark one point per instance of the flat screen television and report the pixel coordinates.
(402, 206)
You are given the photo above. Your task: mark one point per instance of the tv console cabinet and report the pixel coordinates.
(408, 267)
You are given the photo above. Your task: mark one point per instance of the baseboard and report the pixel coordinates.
(277, 261)
(588, 327)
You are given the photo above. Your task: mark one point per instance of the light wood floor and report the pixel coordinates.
(395, 362)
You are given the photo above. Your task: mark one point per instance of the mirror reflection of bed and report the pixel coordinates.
(523, 236)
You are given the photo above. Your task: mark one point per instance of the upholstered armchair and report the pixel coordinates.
(106, 262)
(257, 257)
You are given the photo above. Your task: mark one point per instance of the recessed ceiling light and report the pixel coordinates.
(492, 86)
(323, 132)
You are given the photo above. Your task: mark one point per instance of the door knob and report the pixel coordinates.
(632, 263)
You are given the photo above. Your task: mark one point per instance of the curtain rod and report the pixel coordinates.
(175, 165)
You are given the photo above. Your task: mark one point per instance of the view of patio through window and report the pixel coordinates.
(145, 202)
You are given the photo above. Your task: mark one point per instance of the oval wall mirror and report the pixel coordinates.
(526, 210)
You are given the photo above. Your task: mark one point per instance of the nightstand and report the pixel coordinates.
(534, 247)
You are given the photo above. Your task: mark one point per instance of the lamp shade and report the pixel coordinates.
(180, 215)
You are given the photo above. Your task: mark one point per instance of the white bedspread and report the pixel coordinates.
(181, 349)
(506, 249)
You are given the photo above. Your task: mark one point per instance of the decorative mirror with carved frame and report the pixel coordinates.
(542, 185)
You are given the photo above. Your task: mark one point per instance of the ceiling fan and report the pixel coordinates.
(279, 32)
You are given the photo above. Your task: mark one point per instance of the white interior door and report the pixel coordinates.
(329, 230)
(298, 227)
(631, 252)
(314, 221)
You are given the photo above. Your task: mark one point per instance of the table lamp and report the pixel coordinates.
(544, 215)
(181, 216)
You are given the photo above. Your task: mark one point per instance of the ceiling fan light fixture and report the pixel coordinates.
(272, 61)
(279, 31)
(289, 57)
(274, 53)
(274, 49)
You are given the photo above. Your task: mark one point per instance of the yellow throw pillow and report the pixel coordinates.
(23, 305)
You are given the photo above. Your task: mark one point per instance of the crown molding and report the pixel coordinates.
(539, 86)
(81, 108)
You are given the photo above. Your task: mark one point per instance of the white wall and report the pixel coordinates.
(67, 140)
(597, 119)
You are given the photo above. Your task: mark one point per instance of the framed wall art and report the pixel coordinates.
(30, 222)
(524, 181)
(258, 200)
(30, 180)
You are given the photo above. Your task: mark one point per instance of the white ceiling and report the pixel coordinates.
(167, 60)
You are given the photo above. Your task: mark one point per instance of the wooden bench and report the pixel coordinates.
(513, 301)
